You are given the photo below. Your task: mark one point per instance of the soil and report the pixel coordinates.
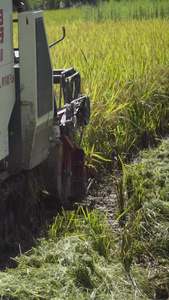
(102, 195)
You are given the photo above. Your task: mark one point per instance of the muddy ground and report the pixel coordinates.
(102, 195)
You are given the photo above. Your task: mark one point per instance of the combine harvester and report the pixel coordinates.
(38, 141)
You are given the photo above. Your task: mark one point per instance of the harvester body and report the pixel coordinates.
(35, 134)
(7, 80)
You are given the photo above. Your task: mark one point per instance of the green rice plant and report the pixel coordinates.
(94, 160)
(82, 222)
(128, 10)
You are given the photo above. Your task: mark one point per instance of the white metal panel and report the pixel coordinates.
(35, 130)
(7, 80)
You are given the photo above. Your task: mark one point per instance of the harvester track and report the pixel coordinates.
(19, 212)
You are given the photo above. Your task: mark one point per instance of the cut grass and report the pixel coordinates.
(146, 240)
(67, 269)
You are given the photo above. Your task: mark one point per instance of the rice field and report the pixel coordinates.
(124, 66)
